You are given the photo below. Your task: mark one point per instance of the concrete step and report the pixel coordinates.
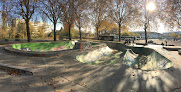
(17, 70)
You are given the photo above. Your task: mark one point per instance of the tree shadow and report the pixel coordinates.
(66, 73)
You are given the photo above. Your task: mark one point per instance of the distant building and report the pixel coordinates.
(35, 25)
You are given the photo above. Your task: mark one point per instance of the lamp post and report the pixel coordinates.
(149, 7)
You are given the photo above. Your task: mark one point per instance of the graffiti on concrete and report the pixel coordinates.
(26, 49)
(60, 48)
(85, 45)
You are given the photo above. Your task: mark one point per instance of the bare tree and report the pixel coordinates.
(120, 12)
(69, 14)
(98, 10)
(145, 17)
(81, 15)
(6, 14)
(25, 9)
(53, 10)
(172, 13)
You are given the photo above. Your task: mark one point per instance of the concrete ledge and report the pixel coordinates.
(35, 53)
(140, 43)
(16, 69)
(172, 48)
(179, 52)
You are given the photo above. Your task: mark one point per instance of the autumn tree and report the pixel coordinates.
(175, 35)
(25, 9)
(172, 13)
(53, 11)
(107, 25)
(120, 12)
(12, 29)
(98, 11)
(21, 30)
(81, 18)
(6, 16)
(147, 15)
(41, 31)
(69, 11)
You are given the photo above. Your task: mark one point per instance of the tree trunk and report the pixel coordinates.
(55, 31)
(119, 32)
(146, 42)
(28, 31)
(80, 33)
(97, 29)
(69, 32)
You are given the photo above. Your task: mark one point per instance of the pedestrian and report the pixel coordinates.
(162, 44)
(166, 42)
(129, 41)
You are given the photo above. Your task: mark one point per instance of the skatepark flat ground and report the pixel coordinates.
(65, 74)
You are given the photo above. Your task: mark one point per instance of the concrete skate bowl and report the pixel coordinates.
(141, 57)
(101, 56)
(135, 57)
(41, 49)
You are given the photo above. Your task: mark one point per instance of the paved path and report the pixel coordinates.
(66, 74)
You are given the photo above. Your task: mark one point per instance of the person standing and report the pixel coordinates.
(166, 42)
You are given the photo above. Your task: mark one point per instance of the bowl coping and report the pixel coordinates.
(10, 49)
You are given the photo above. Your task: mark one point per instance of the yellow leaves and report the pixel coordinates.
(72, 89)
(13, 73)
(35, 85)
(174, 35)
(4, 75)
(41, 78)
(107, 25)
(57, 91)
(52, 79)
(83, 84)
(52, 84)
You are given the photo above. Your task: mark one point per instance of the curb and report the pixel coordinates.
(179, 51)
(172, 48)
(16, 70)
(34, 53)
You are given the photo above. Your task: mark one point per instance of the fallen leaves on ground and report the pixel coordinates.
(57, 91)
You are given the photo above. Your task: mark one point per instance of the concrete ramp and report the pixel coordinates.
(142, 58)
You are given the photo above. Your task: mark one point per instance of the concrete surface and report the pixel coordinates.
(65, 74)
